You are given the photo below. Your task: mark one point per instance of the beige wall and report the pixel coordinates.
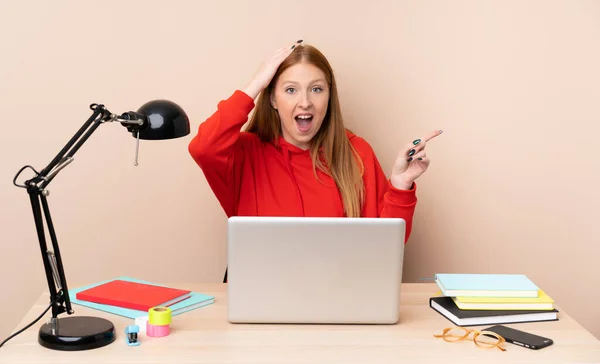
(514, 84)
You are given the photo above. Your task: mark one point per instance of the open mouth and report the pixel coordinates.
(304, 121)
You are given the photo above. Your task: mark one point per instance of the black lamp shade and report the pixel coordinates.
(164, 120)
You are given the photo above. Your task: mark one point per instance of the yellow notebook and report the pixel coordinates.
(541, 302)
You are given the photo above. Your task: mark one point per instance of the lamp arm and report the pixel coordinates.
(132, 120)
(36, 188)
(98, 110)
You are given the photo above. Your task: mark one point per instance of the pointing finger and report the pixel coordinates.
(433, 134)
(419, 144)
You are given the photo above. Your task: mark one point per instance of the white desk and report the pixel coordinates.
(205, 336)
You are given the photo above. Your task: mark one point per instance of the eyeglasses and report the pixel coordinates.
(483, 339)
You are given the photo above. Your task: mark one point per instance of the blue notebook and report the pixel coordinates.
(486, 285)
(196, 300)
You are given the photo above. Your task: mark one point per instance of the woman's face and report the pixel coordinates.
(301, 97)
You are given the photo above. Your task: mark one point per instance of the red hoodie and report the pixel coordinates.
(253, 178)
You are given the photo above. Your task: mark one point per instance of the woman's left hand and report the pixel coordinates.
(411, 162)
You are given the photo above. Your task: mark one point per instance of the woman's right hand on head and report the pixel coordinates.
(267, 70)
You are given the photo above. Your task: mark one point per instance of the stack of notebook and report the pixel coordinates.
(132, 298)
(483, 299)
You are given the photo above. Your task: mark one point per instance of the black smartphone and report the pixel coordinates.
(521, 338)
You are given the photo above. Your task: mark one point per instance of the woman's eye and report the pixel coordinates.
(289, 90)
(317, 89)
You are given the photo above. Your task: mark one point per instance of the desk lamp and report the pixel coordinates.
(155, 120)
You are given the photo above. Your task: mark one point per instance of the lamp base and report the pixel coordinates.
(77, 333)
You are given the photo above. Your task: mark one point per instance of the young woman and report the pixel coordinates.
(295, 157)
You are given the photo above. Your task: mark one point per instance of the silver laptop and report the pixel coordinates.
(314, 270)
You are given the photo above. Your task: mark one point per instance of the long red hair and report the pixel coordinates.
(330, 149)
